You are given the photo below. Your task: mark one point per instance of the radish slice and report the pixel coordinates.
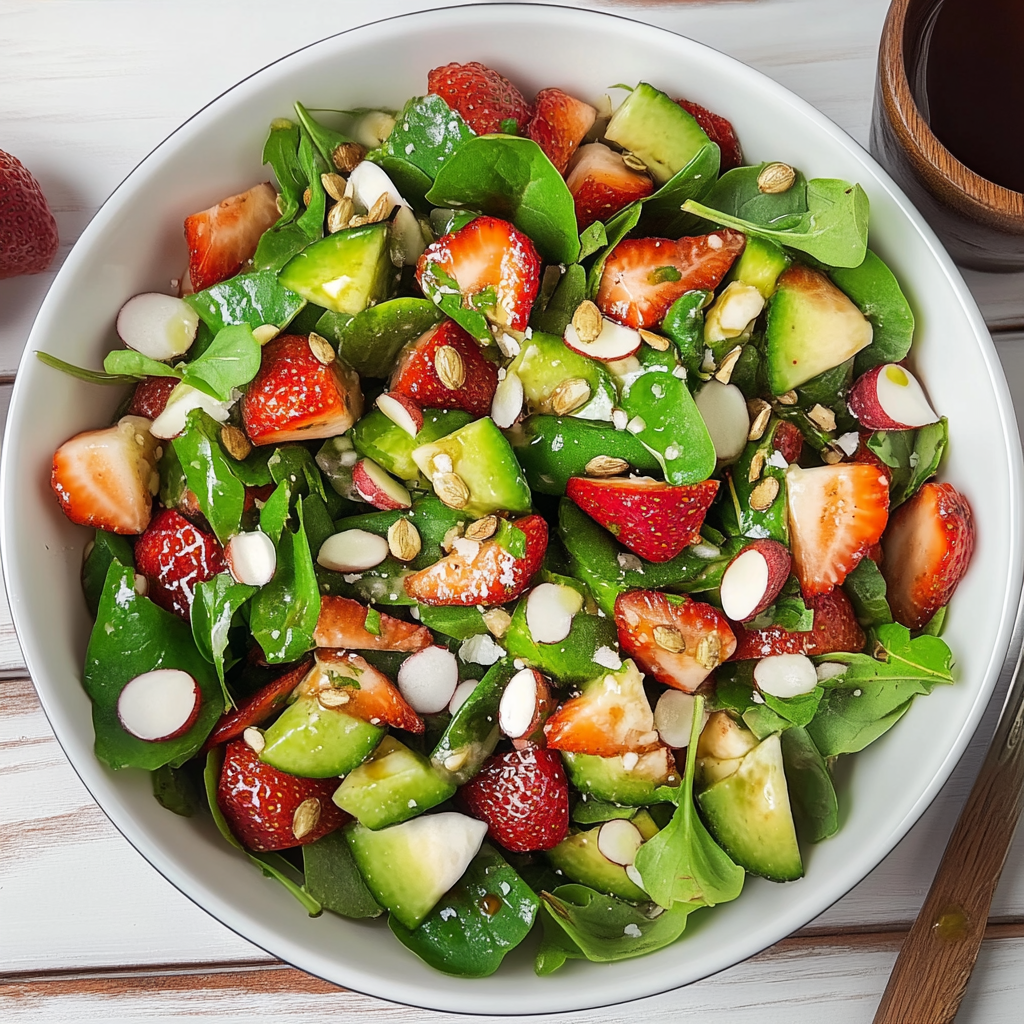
(462, 693)
(744, 584)
(368, 183)
(352, 551)
(427, 679)
(159, 705)
(890, 398)
(549, 612)
(518, 704)
(181, 401)
(375, 485)
(159, 326)
(507, 403)
(786, 675)
(402, 411)
(618, 840)
(251, 558)
(724, 410)
(615, 342)
(673, 717)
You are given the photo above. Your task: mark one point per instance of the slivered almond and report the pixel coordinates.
(605, 465)
(450, 368)
(404, 540)
(254, 739)
(482, 528)
(265, 333)
(756, 466)
(306, 817)
(760, 412)
(569, 395)
(657, 341)
(588, 321)
(321, 348)
(762, 496)
(452, 489)
(823, 417)
(728, 364)
(235, 442)
(789, 398)
(669, 639)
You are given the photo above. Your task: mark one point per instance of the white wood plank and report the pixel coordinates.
(11, 659)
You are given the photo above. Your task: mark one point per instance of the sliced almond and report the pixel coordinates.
(776, 177)
(453, 762)
(254, 739)
(380, 209)
(347, 156)
(709, 651)
(236, 444)
(306, 817)
(340, 215)
(657, 341)
(450, 368)
(569, 395)
(831, 457)
(762, 496)
(760, 412)
(497, 621)
(331, 698)
(334, 185)
(605, 465)
(669, 639)
(404, 540)
(756, 466)
(482, 528)
(451, 489)
(587, 321)
(789, 398)
(633, 162)
(265, 333)
(728, 364)
(321, 348)
(823, 417)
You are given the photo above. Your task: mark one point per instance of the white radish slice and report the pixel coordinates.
(462, 693)
(744, 584)
(549, 612)
(369, 182)
(618, 840)
(786, 675)
(402, 411)
(407, 238)
(159, 326)
(613, 343)
(251, 558)
(352, 551)
(427, 679)
(507, 403)
(159, 705)
(901, 397)
(724, 410)
(673, 717)
(518, 704)
(181, 401)
(374, 484)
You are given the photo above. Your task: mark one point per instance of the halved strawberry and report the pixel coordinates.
(928, 547)
(269, 809)
(523, 795)
(342, 623)
(492, 576)
(653, 519)
(559, 124)
(107, 478)
(719, 131)
(677, 640)
(836, 513)
(601, 184)
(485, 99)
(835, 629)
(495, 266)
(416, 374)
(371, 695)
(259, 707)
(149, 398)
(174, 555)
(223, 238)
(296, 396)
(643, 276)
(612, 716)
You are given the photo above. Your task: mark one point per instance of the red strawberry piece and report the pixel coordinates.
(416, 372)
(268, 809)
(643, 276)
(559, 124)
(928, 547)
(866, 456)
(655, 520)
(342, 623)
(296, 396)
(718, 130)
(835, 629)
(601, 184)
(492, 576)
(677, 640)
(174, 556)
(222, 239)
(494, 264)
(484, 98)
(836, 513)
(107, 478)
(788, 441)
(523, 796)
(28, 232)
(371, 695)
(753, 579)
(150, 396)
(259, 707)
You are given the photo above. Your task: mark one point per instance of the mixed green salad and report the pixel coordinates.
(516, 512)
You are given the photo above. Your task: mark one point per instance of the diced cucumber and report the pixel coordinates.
(384, 441)
(649, 781)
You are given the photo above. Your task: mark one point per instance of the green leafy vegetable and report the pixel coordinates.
(616, 230)
(865, 587)
(232, 359)
(89, 376)
(333, 879)
(737, 194)
(106, 548)
(684, 324)
(912, 456)
(811, 792)
(570, 292)
(591, 239)
(788, 612)
(326, 140)
(126, 362)
(254, 299)
(213, 607)
(663, 211)
(175, 789)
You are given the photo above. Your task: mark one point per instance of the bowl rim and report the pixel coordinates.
(410, 993)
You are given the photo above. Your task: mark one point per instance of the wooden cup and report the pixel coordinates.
(981, 223)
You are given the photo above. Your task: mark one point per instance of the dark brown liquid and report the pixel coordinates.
(974, 86)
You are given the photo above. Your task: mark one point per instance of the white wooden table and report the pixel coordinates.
(88, 931)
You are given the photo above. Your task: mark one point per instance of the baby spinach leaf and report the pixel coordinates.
(684, 324)
(254, 299)
(591, 239)
(333, 879)
(811, 792)
(276, 510)
(737, 194)
(175, 790)
(232, 359)
(443, 290)
(513, 179)
(663, 212)
(126, 362)
(294, 465)
(89, 376)
(865, 587)
(106, 547)
(281, 151)
(797, 710)
(213, 607)
(616, 230)
(912, 456)
(934, 626)
(326, 140)
(569, 293)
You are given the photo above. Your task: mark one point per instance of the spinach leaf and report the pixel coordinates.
(89, 376)
(737, 194)
(570, 292)
(443, 290)
(213, 607)
(912, 456)
(865, 587)
(175, 790)
(326, 140)
(106, 548)
(811, 792)
(797, 710)
(684, 324)
(934, 626)
(333, 879)
(254, 299)
(663, 212)
(789, 611)
(232, 359)
(591, 239)
(126, 362)
(294, 465)
(276, 511)
(616, 230)
(281, 151)
(512, 178)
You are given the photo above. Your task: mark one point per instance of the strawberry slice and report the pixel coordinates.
(928, 547)
(223, 238)
(523, 795)
(718, 130)
(269, 809)
(559, 124)
(174, 555)
(495, 266)
(677, 640)
(643, 276)
(298, 396)
(259, 707)
(485, 99)
(601, 184)
(836, 513)
(371, 695)
(342, 623)
(416, 375)
(492, 576)
(149, 398)
(655, 520)
(107, 478)
(612, 716)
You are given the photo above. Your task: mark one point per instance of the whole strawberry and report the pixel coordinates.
(524, 798)
(28, 232)
(486, 100)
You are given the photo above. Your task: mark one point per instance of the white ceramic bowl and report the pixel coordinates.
(135, 244)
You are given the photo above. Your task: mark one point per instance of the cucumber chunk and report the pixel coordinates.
(649, 781)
